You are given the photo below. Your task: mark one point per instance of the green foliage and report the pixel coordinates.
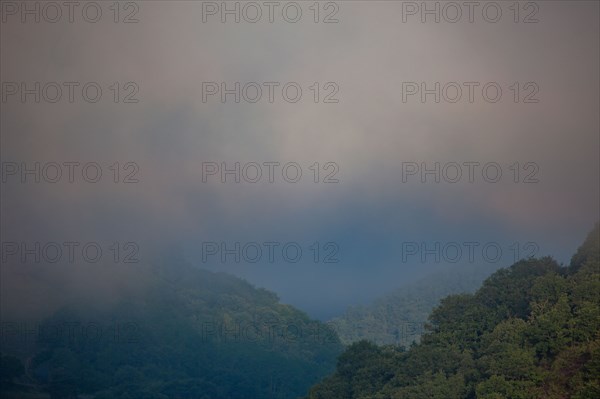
(434, 386)
(208, 336)
(588, 252)
(398, 318)
(11, 368)
(531, 331)
(362, 369)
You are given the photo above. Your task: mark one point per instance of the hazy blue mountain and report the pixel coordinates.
(200, 335)
(398, 318)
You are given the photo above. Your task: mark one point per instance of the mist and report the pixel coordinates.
(360, 205)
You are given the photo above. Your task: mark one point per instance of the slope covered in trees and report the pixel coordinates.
(398, 318)
(207, 336)
(531, 331)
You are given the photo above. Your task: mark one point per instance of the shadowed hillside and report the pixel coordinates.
(205, 336)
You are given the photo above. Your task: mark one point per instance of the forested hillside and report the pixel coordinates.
(208, 336)
(531, 331)
(399, 317)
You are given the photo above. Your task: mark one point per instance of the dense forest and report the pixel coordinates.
(399, 317)
(531, 331)
(207, 336)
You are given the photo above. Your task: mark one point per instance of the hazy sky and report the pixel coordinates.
(542, 132)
